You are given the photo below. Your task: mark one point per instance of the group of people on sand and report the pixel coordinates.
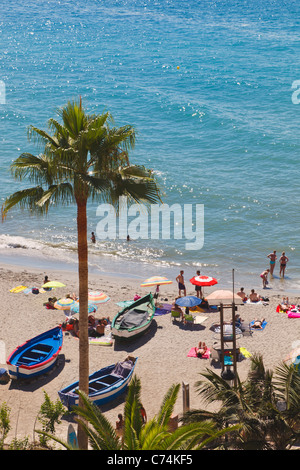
(96, 326)
(181, 285)
(253, 297)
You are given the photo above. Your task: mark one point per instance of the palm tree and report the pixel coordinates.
(83, 158)
(266, 404)
(154, 435)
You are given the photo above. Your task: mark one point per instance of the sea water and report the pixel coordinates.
(211, 89)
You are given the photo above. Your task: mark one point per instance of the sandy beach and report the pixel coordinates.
(162, 352)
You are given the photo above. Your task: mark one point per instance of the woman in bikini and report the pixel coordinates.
(283, 260)
(273, 258)
(201, 350)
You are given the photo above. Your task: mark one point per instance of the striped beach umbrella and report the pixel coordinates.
(98, 297)
(64, 304)
(156, 281)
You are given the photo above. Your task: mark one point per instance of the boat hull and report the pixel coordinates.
(36, 356)
(143, 308)
(104, 387)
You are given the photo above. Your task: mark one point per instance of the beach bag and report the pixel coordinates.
(35, 290)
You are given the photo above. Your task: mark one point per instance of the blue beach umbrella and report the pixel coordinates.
(75, 308)
(188, 301)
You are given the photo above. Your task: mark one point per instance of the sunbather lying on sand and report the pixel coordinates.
(258, 324)
(201, 350)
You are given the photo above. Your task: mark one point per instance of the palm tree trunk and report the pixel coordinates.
(83, 312)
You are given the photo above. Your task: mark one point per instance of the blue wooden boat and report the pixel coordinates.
(104, 385)
(36, 356)
(134, 320)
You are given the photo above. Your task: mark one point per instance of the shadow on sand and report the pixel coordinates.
(34, 383)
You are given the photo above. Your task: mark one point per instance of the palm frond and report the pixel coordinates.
(25, 199)
(167, 405)
(101, 433)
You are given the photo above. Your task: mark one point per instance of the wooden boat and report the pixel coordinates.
(135, 319)
(37, 356)
(104, 385)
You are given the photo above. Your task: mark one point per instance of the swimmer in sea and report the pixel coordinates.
(273, 258)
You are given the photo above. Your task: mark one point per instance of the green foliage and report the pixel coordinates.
(4, 423)
(138, 436)
(266, 404)
(82, 157)
(49, 415)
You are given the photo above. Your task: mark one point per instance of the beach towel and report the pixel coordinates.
(198, 319)
(17, 289)
(228, 360)
(258, 329)
(295, 313)
(27, 291)
(166, 308)
(245, 353)
(253, 303)
(101, 341)
(192, 353)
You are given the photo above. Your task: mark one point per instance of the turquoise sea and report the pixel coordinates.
(208, 86)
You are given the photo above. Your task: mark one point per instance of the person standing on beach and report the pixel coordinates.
(181, 286)
(93, 238)
(283, 260)
(273, 258)
(198, 288)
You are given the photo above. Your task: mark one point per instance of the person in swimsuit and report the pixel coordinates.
(201, 350)
(273, 258)
(181, 286)
(198, 288)
(283, 260)
(254, 297)
(264, 276)
(93, 238)
(258, 323)
(242, 294)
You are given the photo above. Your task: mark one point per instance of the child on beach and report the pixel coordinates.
(181, 286)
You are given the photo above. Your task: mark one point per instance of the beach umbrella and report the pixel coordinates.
(98, 297)
(223, 296)
(156, 281)
(188, 301)
(75, 308)
(54, 284)
(203, 281)
(64, 304)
